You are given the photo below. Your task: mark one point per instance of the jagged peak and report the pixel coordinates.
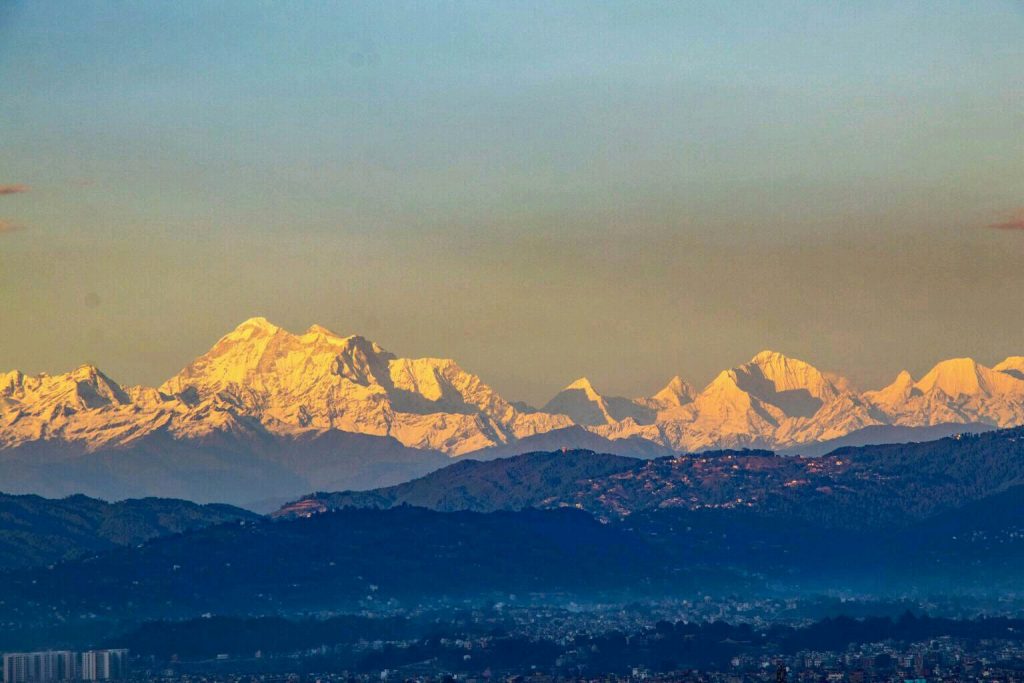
(724, 389)
(966, 376)
(768, 356)
(725, 380)
(10, 381)
(318, 329)
(586, 386)
(581, 383)
(903, 379)
(252, 328)
(769, 360)
(677, 383)
(787, 373)
(953, 376)
(87, 370)
(676, 392)
(896, 391)
(258, 322)
(590, 409)
(1010, 363)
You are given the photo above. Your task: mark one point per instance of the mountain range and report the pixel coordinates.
(267, 414)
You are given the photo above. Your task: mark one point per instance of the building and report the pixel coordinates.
(41, 667)
(104, 665)
(64, 665)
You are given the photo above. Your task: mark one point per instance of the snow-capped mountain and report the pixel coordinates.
(260, 384)
(588, 408)
(956, 390)
(770, 401)
(262, 378)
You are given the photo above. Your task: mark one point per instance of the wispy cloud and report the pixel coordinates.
(7, 226)
(1014, 221)
(17, 188)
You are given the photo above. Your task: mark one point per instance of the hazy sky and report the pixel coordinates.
(544, 190)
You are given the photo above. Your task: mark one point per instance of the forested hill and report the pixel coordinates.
(863, 487)
(38, 531)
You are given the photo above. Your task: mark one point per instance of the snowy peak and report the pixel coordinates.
(789, 374)
(320, 381)
(258, 356)
(1013, 365)
(85, 387)
(253, 327)
(723, 392)
(794, 387)
(583, 384)
(953, 377)
(895, 393)
(586, 406)
(966, 377)
(676, 393)
(582, 403)
(319, 330)
(955, 390)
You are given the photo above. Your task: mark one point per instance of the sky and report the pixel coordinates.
(540, 190)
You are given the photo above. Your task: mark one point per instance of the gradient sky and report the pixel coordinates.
(543, 190)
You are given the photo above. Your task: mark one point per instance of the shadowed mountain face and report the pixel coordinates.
(232, 468)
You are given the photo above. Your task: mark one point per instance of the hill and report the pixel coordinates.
(341, 560)
(39, 531)
(853, 487)
(530, 480)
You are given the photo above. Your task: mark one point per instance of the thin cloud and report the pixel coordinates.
(17, 188)
(1014, 222)
(7, 226)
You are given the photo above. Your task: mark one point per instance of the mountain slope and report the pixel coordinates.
(530, 480)
(37, 531)
(575, 438)
(869, 487)
(341, 560)
(256, 470)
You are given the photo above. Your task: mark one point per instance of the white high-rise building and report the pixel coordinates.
(64, 665)
(39, 667)
(104, 665)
